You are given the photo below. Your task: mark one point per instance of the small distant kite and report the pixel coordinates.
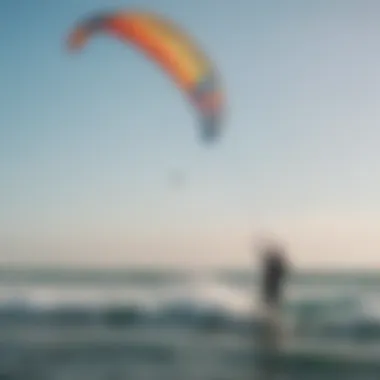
(177, 179)
(171, 49)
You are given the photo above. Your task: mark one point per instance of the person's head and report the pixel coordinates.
(268, 246)
(272, 250)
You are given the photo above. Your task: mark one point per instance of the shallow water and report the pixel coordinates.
(172, 325)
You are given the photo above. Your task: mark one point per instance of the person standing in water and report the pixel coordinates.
(274, 275)
(267, 339)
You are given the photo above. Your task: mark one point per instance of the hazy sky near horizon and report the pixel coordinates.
(88, 142)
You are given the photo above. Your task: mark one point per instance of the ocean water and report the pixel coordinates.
(151, 324)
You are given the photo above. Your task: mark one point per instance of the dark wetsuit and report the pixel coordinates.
(273, 277)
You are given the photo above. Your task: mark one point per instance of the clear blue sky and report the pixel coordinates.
(88, 141)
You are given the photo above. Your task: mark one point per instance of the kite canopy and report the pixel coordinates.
(172, 50)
